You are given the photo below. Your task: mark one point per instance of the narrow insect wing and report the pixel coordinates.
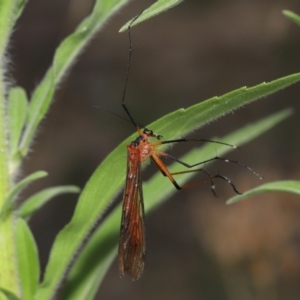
(132, 244)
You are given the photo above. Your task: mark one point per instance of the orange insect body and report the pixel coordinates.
(132, 244)
(141, 146)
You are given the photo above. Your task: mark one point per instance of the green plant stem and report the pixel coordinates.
(8, 265)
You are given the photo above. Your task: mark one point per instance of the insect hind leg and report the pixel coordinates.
(164, 170)
(209, 177)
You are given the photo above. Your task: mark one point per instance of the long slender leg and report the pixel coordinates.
(166, 155)
(193, 140)
(210, 177)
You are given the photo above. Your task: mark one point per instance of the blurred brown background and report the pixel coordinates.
(198, 248)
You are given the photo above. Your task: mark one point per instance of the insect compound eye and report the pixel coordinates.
(137, 141)
(148, 132)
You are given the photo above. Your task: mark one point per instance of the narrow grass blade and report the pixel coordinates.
(8, 204)
(292, 16)
(28, 262)
(155, 9)
(20, 5)
(17, 108)
(288, 186)
(64, 57)
(35, 202)
(7, 295)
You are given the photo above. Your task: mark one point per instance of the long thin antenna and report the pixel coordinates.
(117, 115)
(127, 73)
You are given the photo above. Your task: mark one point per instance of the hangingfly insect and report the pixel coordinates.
(132, 243)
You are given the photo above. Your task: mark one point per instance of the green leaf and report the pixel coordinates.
(38, 106)
(8, 295)
(292, 16)
(17, 117)
(20, 5)
(108, 179)
(87, 286)
(8, 270)
(35, 202)
(64, 57)
(288, 186)
(155, 9)
(28, 261)
(8, 204)
(99, 253)
(7, 11)
(158, 186)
